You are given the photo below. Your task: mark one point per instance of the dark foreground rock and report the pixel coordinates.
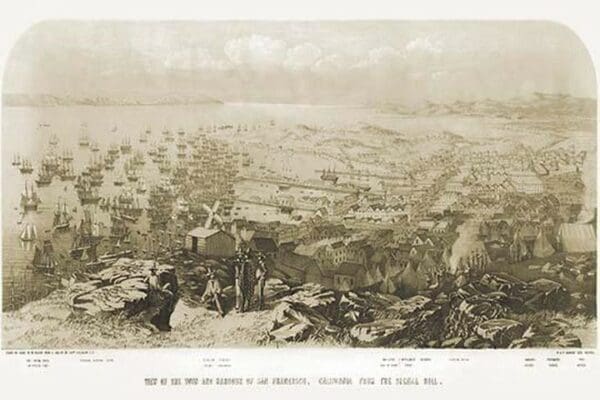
(481, 314)
(123, 289)
(501, 332)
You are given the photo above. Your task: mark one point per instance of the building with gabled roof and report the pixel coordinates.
(210, 242)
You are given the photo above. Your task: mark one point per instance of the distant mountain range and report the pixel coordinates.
(49, 100)
(535, 106)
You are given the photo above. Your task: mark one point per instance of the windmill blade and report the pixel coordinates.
(207, 209)
(218, 218)
(216, 206)
(208, 222)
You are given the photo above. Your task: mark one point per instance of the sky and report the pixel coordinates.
(367, 62)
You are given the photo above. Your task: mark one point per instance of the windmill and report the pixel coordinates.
(212, 215)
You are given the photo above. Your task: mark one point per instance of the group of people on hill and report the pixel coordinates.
(250, 277)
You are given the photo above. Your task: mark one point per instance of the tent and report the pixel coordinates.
(542, 247)
(577, 238)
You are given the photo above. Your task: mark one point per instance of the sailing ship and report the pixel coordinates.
(113, 150)
(86, 237)
(62, 217)
(118, 229)
(164, 167)
(51, 162)
(119, 181)
(67, 155)
(16, 160)
(96, 164)
(138, 158)
(53, 139)
(167, 135)
(141, 187)
(96, 179)
(94, 147)
(181, 144)
(329, 175)
(88, 194)
(29, 198)
(29, 233)
(109, 163)
(128, 203)
(44, 259)
(131, 170)
(66, 171)
(104, 203)
(143, 138)
(84, 139)
(26, 166)
(125, 145)
(153, 151)
(132, 175)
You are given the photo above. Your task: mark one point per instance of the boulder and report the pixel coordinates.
(411, 306)
(569, 340)
(470, 312)
(481, 307)
(295, 322)
(123, 289)
(549, 295)
(452, 343)
(555, 333)
(500, 282)
(275, 289)
(476, 342)
(314, 296)
(520, 343)
(501, 332)
(286, 313)
(296, 332)
(379, 333)
(363, 307)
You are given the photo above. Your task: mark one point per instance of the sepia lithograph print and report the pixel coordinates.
(323, 184)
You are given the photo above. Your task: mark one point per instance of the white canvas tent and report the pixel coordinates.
(577, 238)
(542, 247)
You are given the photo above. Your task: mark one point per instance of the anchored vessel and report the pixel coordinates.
(29, 198)
(44, 259)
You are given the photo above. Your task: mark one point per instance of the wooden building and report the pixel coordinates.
(210, 242)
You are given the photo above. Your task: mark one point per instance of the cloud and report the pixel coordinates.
(424, 45)
(302, 56)
(256, 50)
(193, 58)
(385, 55)
(330, 64)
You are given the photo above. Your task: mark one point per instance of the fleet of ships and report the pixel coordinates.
(191, 169)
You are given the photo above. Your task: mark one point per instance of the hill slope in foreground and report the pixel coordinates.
(495, 310)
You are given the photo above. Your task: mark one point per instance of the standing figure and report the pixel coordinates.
(247, 282)
(261, 278)
(213, 292)
(239, 297)
(240, 263)
(153, 282)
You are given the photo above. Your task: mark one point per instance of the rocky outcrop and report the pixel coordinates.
(501, 332)
(480, 314)
(299, 312)
(381, 332)
(124, 289)
(548, 295)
